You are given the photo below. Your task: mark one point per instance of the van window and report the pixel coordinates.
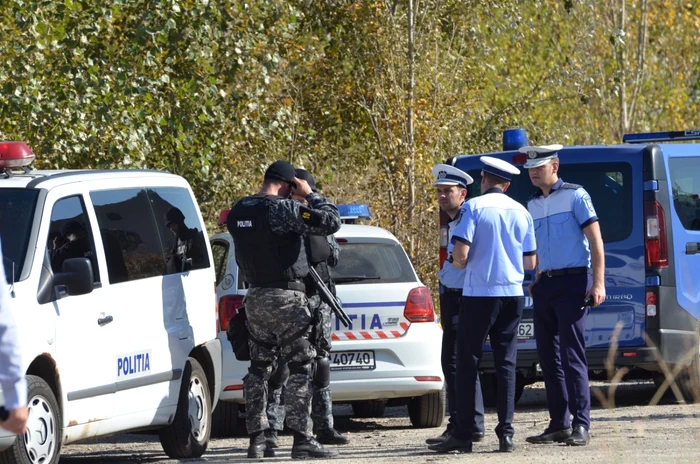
(70, 234)
(362, 263)
(608, 184)
(16, 213)
(219, 249)
(181, 233)
(132, 243)
(685, 181)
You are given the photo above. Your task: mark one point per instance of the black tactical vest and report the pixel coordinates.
(319, 252)
(264, 258)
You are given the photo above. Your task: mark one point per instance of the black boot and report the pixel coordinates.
(332, 437)
(257, 445)
(271, 438)
(307, 447)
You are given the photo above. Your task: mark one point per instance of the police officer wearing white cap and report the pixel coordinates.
(495, 242)
(451, 184)
(568, 240)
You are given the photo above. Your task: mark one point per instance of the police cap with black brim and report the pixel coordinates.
(499, 168)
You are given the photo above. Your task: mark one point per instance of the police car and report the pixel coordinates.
(119, 319)
(390, 355)
(646, 194)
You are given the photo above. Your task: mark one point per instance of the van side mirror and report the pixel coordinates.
(76, 275)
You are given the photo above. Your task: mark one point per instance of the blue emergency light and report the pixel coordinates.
(513, 139)
(354, 211)
(652, 137)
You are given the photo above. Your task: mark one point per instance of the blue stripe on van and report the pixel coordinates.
(374, 304)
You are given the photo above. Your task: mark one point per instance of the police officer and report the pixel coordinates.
(267, 229)
(188, 250)
(495, 241)
(322, 253)
(72, 243)
(12, 381)
(451, 184)
(568, 240)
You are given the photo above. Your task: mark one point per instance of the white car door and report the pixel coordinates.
(84, 330)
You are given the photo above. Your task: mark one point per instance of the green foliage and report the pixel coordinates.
(215, 90)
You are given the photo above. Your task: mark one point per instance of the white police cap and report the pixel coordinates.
(449, 175)
(498, 167)
(538, 156)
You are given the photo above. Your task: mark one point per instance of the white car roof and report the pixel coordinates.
(49, 179)
(347, 231)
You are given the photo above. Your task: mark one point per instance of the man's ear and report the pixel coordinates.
(505, 186)
(463, 194)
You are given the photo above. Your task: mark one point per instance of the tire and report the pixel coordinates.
(42, 442)
(489, 389)
(428, 410)
(226, 421)
(368, 409)
(689, 378)
(188, 435)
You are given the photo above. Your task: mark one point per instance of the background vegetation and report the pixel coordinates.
(367, 95)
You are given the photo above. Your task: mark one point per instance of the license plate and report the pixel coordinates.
(526, 330)
(352, 360)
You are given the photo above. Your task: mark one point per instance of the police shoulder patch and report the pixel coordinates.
(309, 216)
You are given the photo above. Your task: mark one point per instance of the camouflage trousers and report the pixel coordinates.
(279, 321)
(322, 402)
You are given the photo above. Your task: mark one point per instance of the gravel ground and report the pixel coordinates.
(631, 432)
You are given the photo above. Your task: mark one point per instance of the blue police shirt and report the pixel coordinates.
(500, 232)
(559, 222)
(450, 276)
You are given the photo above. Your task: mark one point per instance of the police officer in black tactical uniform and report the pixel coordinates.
(187, 252)
(268, 229)
(73, 242)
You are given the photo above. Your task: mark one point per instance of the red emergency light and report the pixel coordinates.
(15, 155)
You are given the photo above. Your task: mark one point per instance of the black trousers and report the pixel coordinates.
(497, 317)
(449, 317)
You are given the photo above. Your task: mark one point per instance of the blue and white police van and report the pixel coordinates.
(646, 192)
(390, 354)
(111, 279)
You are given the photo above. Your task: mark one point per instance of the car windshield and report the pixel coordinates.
(363, 263)
(16, 214)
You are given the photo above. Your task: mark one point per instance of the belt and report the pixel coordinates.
(293, 285)
(451, 290)
(565, 271)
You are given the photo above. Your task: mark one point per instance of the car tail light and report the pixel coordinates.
(419, 306)
(228, 308)
(223, 216)
(655, 232)
(652, 308)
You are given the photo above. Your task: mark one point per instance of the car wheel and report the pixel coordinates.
(188, 435)
(428, 410)
(42, 441)
(489, 389)
(689, 378)
(226, 421)
(368, 409)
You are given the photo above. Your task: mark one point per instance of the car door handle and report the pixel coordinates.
(692, 248)
(104, 320)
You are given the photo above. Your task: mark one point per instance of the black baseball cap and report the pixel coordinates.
(306, 175)
(175, 215)
(281, 170)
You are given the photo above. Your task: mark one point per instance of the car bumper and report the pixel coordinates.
(405, 367)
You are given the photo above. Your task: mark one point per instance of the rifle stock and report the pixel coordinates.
(329, 298)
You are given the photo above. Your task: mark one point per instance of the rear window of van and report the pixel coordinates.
(608, 184)
(685, 185)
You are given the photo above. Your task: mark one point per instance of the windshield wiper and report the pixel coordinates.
(358, 278)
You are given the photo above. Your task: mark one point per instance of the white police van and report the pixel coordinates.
(390, 355)
(119, 315)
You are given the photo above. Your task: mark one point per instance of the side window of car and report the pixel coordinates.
(132, 244)
(685, 176)
(70, 235)
(181, 233)
(219, 250)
